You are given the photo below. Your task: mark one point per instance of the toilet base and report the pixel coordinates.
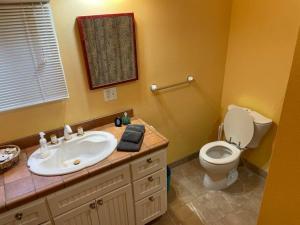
(220, 184)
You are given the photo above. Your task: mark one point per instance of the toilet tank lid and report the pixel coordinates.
(232, 106)
(259, 119)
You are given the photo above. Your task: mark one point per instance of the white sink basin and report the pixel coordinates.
(73, 155)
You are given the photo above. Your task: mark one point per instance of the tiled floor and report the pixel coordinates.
(189, 203)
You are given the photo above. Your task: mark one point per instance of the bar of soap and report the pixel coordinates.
(3, 157)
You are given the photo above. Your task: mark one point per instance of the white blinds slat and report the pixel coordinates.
(11, 30)
(22, 1)
(30, 66)
(26, 55)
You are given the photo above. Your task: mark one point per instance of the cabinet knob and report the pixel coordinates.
(150, 179)
(19, 216)
(149, 160)
(151, 198)
(93, 205)
(100, 202)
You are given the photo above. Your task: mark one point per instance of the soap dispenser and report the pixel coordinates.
(43, 146)
(125, 119)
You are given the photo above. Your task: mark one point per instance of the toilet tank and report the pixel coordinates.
(261, 126)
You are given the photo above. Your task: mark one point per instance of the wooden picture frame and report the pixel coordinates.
(109, 48)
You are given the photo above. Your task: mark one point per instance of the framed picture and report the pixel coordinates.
(109, 48)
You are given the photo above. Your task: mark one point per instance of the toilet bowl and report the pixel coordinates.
(220, 159)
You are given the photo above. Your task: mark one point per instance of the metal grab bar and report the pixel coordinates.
(154, 87)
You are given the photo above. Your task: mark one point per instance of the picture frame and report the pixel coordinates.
(109, 48)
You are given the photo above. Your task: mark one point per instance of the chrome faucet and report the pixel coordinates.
(67, 132)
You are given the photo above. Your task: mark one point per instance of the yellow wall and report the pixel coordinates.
(260, 50)
(282, 197)
(174, 38)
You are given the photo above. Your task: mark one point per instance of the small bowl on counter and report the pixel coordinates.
(9, 156)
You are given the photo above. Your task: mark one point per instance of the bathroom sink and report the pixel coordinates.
(73, 155)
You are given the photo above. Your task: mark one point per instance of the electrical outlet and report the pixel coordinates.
(110, 94)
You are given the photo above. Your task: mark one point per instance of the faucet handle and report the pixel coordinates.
(80, 131)
(68, 129)
(53, 139)
(67, 132)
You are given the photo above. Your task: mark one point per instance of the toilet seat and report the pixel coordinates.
(226, 153)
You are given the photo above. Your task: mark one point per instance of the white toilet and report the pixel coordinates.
(243, 128)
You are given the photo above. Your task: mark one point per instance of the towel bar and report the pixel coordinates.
(155, 88)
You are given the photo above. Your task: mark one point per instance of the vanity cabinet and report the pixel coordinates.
(130, 194)
(111, 198)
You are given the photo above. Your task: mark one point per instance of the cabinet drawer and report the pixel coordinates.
(149, 184)
(151, 207)
(30, 214)
(85, 191)
(148, 164)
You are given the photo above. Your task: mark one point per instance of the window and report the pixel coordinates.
(31, 71)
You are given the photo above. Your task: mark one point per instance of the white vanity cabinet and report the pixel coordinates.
(130, 194)
(133, 194)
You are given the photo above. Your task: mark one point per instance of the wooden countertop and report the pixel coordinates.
(18, 185)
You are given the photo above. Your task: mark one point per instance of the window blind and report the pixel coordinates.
(31, 71)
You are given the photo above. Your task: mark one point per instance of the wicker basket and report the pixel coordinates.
(5, 165)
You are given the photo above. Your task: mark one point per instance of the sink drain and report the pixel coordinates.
(76, 162)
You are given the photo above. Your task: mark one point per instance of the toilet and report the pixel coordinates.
(243, 129)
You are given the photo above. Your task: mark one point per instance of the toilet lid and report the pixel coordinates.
(238, 127)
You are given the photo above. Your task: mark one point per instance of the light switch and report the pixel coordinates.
(110, 94)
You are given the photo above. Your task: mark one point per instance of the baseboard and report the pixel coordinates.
(254, 168)
(243, 161)
(184, 160)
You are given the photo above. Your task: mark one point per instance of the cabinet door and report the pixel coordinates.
(83, 215)
(29, 214)
(116, 208)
